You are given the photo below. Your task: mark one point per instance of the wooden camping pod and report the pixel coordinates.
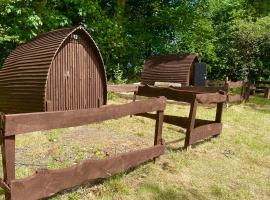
(56, 71)
(169, 68)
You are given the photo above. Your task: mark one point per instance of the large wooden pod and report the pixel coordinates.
(169, 68)
(56, 71)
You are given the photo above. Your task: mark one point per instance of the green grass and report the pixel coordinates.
(235, 165)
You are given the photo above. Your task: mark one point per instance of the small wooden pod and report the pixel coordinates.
(169, 68)
(56, 71)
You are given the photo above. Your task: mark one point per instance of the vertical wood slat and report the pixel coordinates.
(8, 153)
(219, 110)
(192, 118)
(267, 93)
(85, 86)
(8, 161)
(158, 128)
(218, 119)
(91, 79)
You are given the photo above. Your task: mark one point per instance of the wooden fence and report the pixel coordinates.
(45, 183)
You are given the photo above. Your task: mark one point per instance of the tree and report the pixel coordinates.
(250, 47)
(129, 31)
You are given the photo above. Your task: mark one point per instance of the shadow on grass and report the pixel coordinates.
(155, 191)
(176, 149)
(116, 187)
(259, 103)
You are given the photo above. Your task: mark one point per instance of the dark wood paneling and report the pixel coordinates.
(168, 68)
(29, 64)
(75, 79)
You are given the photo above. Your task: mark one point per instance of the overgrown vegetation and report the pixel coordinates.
(234, 165)
(232, 36)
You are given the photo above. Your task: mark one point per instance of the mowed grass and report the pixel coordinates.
(235, 165)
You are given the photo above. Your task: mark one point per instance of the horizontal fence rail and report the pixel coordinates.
(30, 122)
(47, 182)
(122, 88)
(184, 95)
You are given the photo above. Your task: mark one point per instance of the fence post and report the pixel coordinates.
(8, 156)
(192, 118)
(158, 128)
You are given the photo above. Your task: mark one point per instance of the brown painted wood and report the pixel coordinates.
(56, 180)
(219, 112)
(184, 95)
(235, 98)
(158, 128)
(204, 131)
(8, 161)
(122, 88)
(168, 68)
(23, 123)
(174, 120)
(267, 93)
(192, 118)
(8, 158)
(48, 182)
(200, 89)
(244, 94)
(237, 84)
(134, 96)
(210, 98)
(250, 89)
(177, 120)
(169, 93)
(75, 83)
(192, 95)
(263, 87)
(63, 66)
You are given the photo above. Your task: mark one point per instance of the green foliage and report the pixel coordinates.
(111, 96)
(250, 42)
(241, 45)
(230, 35)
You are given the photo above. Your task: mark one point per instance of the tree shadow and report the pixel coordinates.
(156, 192)
(259, 103)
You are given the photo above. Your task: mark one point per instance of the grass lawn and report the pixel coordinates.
(235, 165)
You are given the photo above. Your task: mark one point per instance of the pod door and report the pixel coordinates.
(75, 80)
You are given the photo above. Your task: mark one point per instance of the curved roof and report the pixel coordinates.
(168, 68)
(24, 74)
